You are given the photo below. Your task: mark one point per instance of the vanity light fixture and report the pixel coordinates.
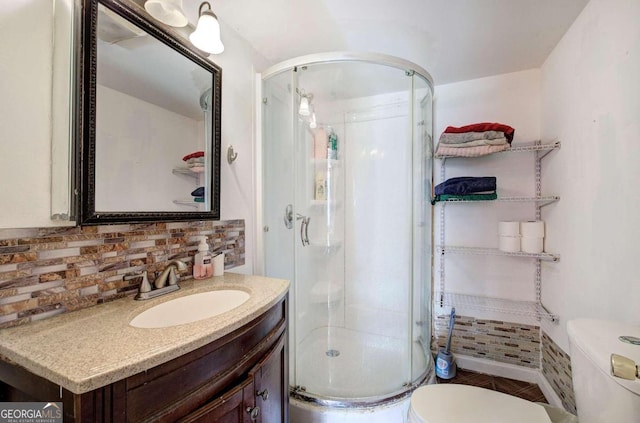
(206, 37)
(167, 11)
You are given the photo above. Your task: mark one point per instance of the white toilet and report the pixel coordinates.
(601, 397)
(450, 403)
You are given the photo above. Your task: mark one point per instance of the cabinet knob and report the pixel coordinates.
(254, 412)
(264, 394)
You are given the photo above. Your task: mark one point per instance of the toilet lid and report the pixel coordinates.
(450, 403)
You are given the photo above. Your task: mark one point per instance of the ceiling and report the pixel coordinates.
(455, 40)
(132, 62)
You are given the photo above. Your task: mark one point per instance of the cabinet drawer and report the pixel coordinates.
(229, 408)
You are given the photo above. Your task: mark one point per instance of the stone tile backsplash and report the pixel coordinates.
(48, 271)
(556, 368)
(506, 342)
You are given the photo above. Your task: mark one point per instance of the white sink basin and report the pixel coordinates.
(190, 308)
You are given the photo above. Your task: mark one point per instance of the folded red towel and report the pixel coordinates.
(193, 155)
(484, 126)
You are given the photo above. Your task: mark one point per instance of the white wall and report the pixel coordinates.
(378, 226)
(591, 102)
(512, 99)
(239, 64)
(25, 113)
(134, 155)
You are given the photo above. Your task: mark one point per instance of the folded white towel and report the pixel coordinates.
(497, 141)
(464, 137)
(444, 151)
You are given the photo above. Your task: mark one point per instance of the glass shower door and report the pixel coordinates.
(319, 269)
(278, 178)
(300, 236)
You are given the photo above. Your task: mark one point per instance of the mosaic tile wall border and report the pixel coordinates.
(49, 271)
(556, 368)
(505, 342)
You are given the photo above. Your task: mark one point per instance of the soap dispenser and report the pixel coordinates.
(202, 266)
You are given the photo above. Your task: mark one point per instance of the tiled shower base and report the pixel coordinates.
(347, 365)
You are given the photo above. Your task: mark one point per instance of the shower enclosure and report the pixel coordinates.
(346, 179)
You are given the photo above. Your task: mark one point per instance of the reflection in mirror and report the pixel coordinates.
(155, 153)
(151, 109)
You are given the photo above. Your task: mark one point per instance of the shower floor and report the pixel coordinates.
(345, 364)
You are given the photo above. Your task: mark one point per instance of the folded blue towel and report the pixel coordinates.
(466, 185)
(198, 192)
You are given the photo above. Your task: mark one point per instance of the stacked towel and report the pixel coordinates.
(195, 161)
(198, 195)
(193, 155)
(467, 188)
(474, 140)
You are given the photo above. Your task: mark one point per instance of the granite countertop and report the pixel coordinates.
(90, 348)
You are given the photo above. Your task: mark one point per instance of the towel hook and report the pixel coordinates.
(231, 155)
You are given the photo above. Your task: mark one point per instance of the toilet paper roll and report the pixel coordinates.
(532, 245)
(218, 265)
(532, 229)
(509, 228)
(509, 244)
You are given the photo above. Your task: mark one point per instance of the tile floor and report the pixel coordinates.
(525, 390)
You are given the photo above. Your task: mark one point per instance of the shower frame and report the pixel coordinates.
(325, 58)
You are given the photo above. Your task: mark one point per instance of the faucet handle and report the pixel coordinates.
(177, 267)
(145, 286)
(173, 277)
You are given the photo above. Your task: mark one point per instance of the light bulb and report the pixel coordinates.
(304, 106)
(206, 37)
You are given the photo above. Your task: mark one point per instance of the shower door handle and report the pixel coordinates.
(304, 229)
(304, 226)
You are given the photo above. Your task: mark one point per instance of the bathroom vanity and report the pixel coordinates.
(232, 367)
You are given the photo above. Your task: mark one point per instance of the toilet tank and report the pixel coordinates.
(601, 397)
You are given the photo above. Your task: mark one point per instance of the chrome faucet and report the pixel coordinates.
(166, 282)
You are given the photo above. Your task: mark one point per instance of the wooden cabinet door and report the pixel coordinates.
(271, 384)
(234, 406)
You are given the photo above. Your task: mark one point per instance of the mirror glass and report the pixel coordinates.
(155, 144)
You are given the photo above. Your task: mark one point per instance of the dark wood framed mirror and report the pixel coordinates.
(150, 109)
